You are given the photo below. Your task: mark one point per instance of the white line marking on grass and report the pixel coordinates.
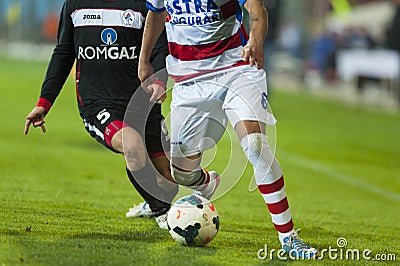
(345, 178)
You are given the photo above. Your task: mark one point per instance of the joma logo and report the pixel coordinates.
(88, 16)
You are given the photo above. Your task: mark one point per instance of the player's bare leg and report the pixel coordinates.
(164, 177)
(162, 165)
(133, 148)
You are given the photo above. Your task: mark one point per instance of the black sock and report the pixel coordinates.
(144, 181)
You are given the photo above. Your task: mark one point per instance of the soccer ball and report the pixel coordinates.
(193, 221)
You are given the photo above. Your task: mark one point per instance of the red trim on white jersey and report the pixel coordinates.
(203, 51)
(203, 37)
(178, 79)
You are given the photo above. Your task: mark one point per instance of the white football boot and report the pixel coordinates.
(208, 189)
(140, 210)
(162, 221)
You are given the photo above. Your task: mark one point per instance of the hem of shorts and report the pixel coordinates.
(187, 154)
(265, 121)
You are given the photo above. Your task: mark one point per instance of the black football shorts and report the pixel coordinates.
(102, 121)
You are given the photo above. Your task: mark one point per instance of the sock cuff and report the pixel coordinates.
(186, 178)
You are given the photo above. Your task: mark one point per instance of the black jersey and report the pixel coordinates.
(104, 36)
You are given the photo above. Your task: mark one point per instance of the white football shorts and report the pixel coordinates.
(201, 108)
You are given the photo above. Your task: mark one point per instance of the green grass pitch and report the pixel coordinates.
(63, 197)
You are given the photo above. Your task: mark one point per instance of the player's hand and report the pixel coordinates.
(254, 54)
(145, 71)
(155, 87)
(157, 90)
(35, 118)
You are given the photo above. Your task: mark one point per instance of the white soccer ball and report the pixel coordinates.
(193, 221)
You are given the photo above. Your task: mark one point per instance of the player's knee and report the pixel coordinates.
(132, 146)
(186, 178)
(266, 167)
(116, 141)
(252, 144)
(131, 141)
(113, 135)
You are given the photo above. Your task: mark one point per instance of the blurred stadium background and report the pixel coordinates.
(337, 48)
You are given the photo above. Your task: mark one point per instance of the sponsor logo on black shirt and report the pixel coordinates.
(89, 16)
(109, 50)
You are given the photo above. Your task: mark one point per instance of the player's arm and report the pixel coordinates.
(159, 53)
(58, 70)
(152, 30)
(157, 61)
(253, 52)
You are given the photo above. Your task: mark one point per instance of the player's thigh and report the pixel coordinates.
(128, 140)
(103, 123)
(197, 120)
(247, 97)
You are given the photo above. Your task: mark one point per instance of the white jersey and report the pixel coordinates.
(203, 35)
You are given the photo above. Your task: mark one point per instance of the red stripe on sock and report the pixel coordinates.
(278, 207)
(271, 188)
(207, 177)
(285, 228)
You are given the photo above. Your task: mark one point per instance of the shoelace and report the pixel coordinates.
(296, 243)
(299, 245)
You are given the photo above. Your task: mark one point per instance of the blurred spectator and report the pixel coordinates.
(393, 37)
(328, 43)
(393, 33)
(358, 37)
(274, 9)
(50, 26)
(290, 38)
(13, 13)
(323, 53)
